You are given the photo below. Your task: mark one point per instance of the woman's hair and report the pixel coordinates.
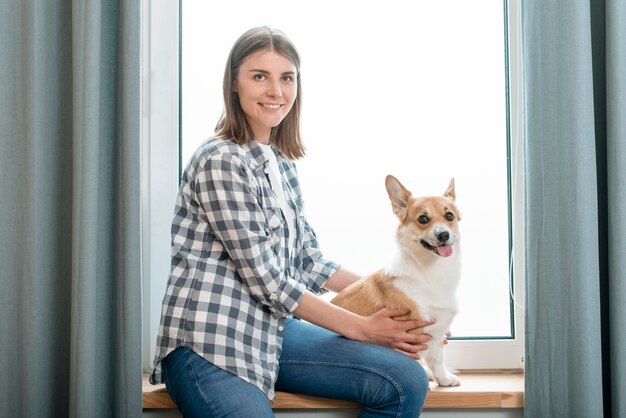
(233, 124)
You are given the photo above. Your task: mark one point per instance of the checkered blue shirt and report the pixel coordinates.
(233, 281)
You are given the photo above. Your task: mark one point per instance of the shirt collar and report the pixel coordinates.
(258, 157)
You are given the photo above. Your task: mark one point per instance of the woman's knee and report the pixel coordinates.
(401, 389)
(412, 378)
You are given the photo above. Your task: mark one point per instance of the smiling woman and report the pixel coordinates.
(262, 85)
(423, 97)
(266, 89)
(242, 316)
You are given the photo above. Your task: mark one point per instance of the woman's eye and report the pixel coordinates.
(259, 77)
(288, 79)
(449, 216)
(422, 219)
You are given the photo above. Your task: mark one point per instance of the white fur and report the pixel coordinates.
(431, 282)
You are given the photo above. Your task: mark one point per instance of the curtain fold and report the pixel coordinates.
(70, 289)
(574, 66)
(616, 190)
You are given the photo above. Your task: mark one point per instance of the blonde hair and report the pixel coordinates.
(233, 124)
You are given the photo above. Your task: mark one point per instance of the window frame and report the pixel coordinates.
(506, 353)
(161, 167)
(159, 151)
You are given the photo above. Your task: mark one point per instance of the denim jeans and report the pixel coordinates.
(314, 361)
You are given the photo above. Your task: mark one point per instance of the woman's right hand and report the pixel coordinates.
(381, 328)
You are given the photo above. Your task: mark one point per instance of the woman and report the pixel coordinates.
(245, 261)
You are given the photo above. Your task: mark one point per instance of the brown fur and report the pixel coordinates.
(374, 292)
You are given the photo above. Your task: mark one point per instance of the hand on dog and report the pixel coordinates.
(381, 328)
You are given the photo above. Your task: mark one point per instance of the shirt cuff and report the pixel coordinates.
(287, 299)
(319, 275)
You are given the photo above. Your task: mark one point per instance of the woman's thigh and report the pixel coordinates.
(318, 362)
(201, 389)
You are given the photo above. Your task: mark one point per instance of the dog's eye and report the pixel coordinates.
(449, 216)
(423, 219)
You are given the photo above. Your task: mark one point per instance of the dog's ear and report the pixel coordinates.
(398, 195)
(450, 193)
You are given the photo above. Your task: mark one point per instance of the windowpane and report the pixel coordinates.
(414, 89)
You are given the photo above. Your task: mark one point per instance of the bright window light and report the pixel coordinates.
(414, 89)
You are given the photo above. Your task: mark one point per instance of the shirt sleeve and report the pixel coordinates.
(226, 189)
(315, 267)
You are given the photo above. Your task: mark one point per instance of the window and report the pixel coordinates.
(417, 90)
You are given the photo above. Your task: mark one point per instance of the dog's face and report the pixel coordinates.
(427, 224)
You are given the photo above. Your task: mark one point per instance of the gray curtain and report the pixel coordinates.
(70, 289)
(575, 83)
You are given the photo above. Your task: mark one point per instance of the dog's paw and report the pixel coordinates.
(448, 379)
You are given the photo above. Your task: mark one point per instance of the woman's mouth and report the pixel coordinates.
(270, 105)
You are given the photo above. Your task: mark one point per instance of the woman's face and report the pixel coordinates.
(267, 87)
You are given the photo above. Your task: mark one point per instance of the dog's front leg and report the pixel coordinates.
(436, 364)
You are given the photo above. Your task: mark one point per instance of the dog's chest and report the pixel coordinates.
(434, 297)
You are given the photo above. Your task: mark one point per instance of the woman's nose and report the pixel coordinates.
(274, 89)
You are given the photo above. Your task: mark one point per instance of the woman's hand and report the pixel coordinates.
(381, 328)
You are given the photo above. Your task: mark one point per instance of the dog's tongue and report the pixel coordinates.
(444, 250)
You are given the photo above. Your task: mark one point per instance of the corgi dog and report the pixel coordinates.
(423, 275)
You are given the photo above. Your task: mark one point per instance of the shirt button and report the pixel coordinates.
(281, 328)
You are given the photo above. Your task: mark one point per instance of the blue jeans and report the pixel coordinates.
(314, 361)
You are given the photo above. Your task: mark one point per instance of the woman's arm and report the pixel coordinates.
(379, 328)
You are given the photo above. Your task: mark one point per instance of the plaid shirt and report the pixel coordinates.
(233, 281)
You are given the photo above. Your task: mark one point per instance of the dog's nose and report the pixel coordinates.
(443, 236)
